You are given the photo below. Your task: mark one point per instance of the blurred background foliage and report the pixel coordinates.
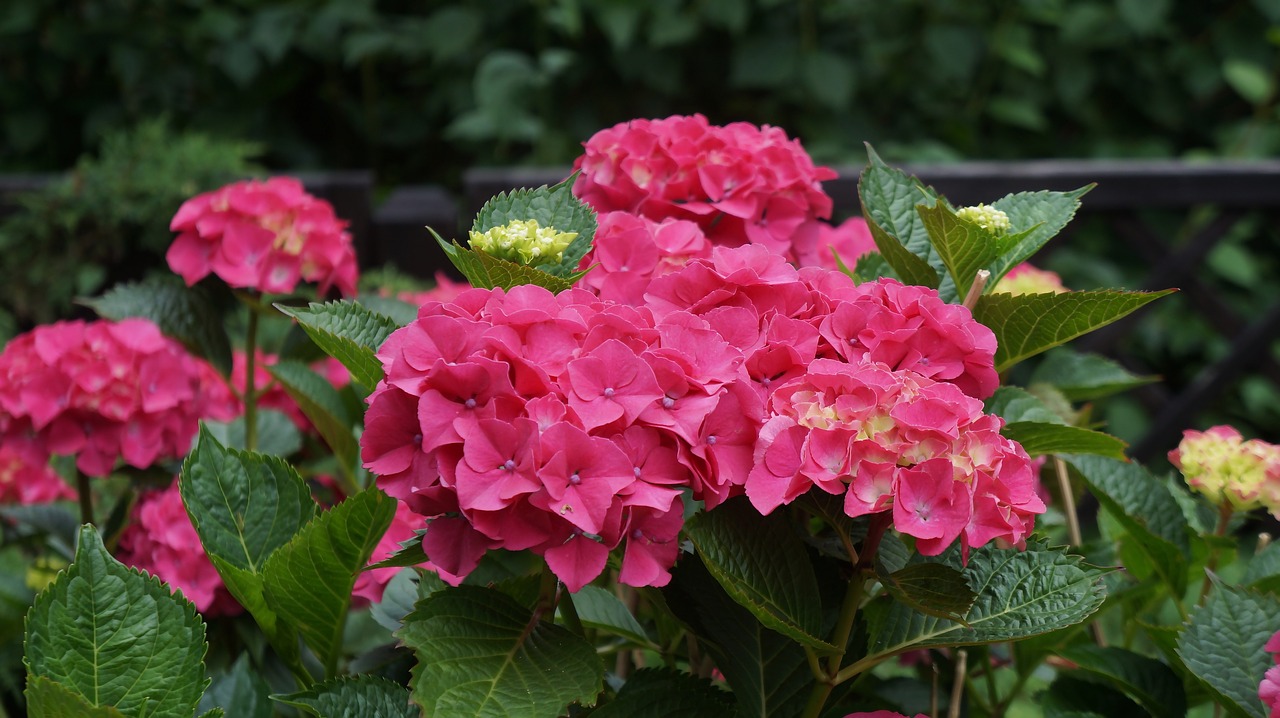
(421, 91)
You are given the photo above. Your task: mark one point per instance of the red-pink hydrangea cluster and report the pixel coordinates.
(561, 424)
(740, 183)
(630, 250)
(25, 474)
(161, 541)
(896, 441)
(105, 391)
(1269, 689)
(263, 235)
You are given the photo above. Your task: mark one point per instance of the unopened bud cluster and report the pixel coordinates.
(1223, 466)
(524, 242)
(986, 217)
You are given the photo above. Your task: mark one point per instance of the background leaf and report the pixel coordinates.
(116, 637)
(349, 333)
(276, 433)
(603, 611)
(762, 564)
(361, 696)
(184, 313)
(1085, 377)
(665, 693)
(241, 691)
(480, 653)
(1149, 682)
(321, 403)
(1223, 646)
(1027, 324)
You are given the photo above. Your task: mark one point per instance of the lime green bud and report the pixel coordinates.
(986, 217)
(523, 242)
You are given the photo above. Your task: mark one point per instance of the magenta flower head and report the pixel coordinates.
(161, 541)
(1269, 689)
(105, 391)
(265, 236)
(25, 474)
(740, 183)
(1226, 468)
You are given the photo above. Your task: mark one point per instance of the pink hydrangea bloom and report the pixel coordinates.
(265, 236)
(562, 424)
(895, 441)
(740, 183)
(273, 396)
(25, 474)
(1269, 689)
(821, 243)
(629, 250)
(161, 541)
(105, 391)
(1026, 279)
(1223, 466)
(882, 714)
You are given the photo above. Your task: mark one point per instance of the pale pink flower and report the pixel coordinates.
(1226, 468)
(261, 235)
(25, 474)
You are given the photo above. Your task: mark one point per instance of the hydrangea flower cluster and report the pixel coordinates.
(1027, 279)
(556, 423)
(1223, 466)
(630, 250)
(524, 242)
(896, 441)
(1269, 689)
(161, 541)
(985, 216)
(25, 474)
(740, 183)
(105, 391)
(265, 236)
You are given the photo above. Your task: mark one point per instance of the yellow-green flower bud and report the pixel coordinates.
(1226, 468)
(986, 217)
(524, 242)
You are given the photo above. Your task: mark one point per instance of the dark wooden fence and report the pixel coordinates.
(1126, 194)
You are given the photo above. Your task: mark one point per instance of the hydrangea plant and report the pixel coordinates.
(682, 448)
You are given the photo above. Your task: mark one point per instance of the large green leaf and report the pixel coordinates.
(184, 313)
(1145, 508)
(244, 506)
(1020, 594)
(117, 637)
(1085, 377)
(1040, 215)
(46, 699)
(963, 247)
(603, 611)
(889, 198)
(349, 333)
(321, 403)
(762, 564)
(1040, 430)
(354, 697)
(480, 653)
(1223, 646)
(487, 271)
(1151, 683)
(308, 580)
(553, 206)
(666, 693)
(767, 670)
(1027, 324)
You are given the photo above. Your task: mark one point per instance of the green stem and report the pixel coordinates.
(1224, 519)
(818, 698)
(250, 392)
(85, 490)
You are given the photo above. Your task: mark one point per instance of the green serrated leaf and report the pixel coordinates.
(767, 671)
(963, 247)
(1014, 404)
(353, 697)
(1027, 324)
(667, 693)
(870, 267)
(933, 589)
(762, 564)
(1041, 439)
(402, 591)
(308, 580)
(184, 313)
(275, 431)
(1034, 218)
(116, 637)
(1223, 646)
(349, 333)
(553, 206)
(1145, 508)
(324, 407)
(242, 691)
(1019, 594)
(480, 653)
(46, 699)
(1085, 377)
(889, 198)
(486, 271)
(244, 506)
(1152, 684)
(410, 553)
(603, 611)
